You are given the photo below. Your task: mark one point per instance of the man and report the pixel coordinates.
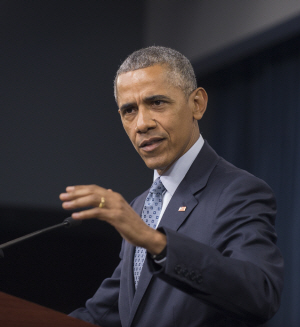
(213, 259)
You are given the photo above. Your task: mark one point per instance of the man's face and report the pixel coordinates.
(158, 118)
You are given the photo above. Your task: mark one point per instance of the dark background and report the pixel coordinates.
(60, 123)
(60, 126)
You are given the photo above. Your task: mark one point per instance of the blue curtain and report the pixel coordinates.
(254, 122)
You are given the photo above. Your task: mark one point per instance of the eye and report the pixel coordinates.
(128, 111)
(158, 102)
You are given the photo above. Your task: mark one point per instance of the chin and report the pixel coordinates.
(155, 164)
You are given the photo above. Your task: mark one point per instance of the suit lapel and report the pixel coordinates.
(129, 253)
(182, 197)
(171, 219)
(143, 284)
(195, 180)
(137, 205)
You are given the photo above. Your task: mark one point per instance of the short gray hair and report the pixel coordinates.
(180, 70)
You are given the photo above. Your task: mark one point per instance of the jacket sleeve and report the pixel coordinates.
(241, 271)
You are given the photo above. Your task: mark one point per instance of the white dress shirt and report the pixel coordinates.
(175, 174)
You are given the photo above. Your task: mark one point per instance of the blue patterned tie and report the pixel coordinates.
(150, 215)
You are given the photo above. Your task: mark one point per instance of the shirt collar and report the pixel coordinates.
(175, 174)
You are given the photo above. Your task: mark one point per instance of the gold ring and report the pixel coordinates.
(102, 203)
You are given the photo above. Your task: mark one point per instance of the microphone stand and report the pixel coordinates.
(68, 222)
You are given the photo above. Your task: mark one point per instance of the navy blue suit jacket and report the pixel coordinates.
(223, 267)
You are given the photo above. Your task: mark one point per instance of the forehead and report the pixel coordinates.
(143, 82)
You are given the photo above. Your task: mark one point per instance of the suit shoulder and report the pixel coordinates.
(227, 174)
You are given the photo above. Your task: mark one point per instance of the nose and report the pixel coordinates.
(144, 121)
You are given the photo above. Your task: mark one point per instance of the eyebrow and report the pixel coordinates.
(147, 100)
(127, 106)
(157, 97)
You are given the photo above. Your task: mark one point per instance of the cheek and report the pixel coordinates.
(126, 127)
(173, 126)
(130, 131)
(179, 130)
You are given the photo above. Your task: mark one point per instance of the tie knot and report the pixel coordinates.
(157, 187)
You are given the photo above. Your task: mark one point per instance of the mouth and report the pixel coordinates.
(151, 144)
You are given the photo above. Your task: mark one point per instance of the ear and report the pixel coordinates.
(199, 98)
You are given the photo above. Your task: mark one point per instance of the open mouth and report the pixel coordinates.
(151, 144)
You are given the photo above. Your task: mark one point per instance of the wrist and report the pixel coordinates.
(161, 256)
(157, 244)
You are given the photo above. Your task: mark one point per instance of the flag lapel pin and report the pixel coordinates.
(182, 209)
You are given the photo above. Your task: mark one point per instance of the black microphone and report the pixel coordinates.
(68, 222)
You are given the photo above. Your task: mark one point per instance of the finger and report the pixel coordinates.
(91, 213)
(74, 192)
(91, 200)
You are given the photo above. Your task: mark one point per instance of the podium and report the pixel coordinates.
(15, 312)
